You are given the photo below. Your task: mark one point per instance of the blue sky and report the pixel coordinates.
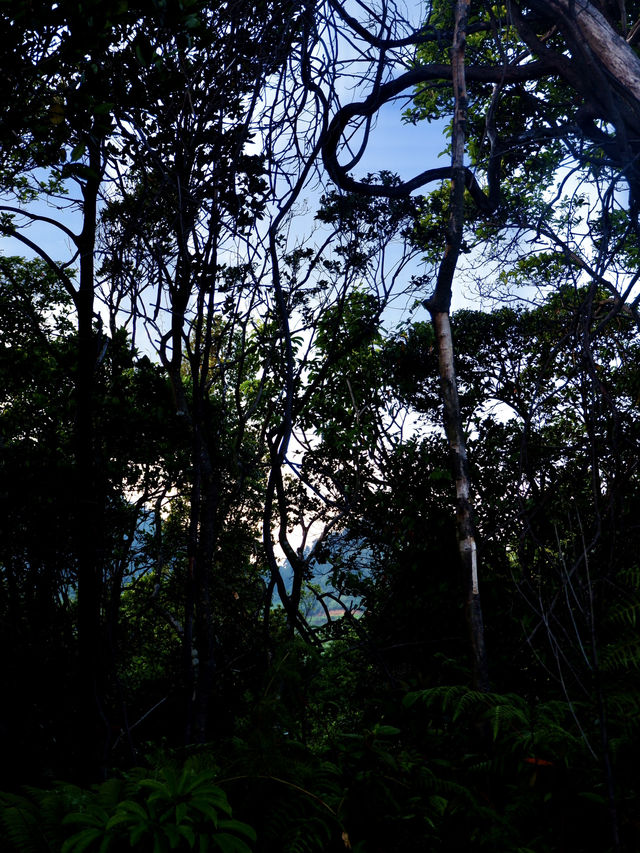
(405, 149)
(401, 148)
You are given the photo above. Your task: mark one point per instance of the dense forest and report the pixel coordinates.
(293, 556)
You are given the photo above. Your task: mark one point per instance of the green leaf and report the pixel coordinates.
(138, 832)
(78, 151)
(172, 834)
(182, 810)
(385, 731)
(208, 810)
(81, 841)
(188, 833)
(239, 827)
(130, 807)
(95, 817)
(229, 843)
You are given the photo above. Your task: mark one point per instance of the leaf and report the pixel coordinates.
(172, 834)
(130, 807)
(229, 843)
(56, 113)
(95, 817)
(239, 827)
(137, 833)
(116, 820)
(81, 841)
(385, 731)
(593, 798)
(159, 844)
(182, 810)
(188, 833)
(208, 810)
(103, 109)
(440, 474)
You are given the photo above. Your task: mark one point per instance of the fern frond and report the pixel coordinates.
(623, 655)
(32, 822)
(20, 824)
(626, 614)
(457, 701)
(507, 715)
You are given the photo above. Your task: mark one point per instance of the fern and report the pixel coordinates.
(622, 656)
(627, 614)
(622, 651)
(455, 702)
(297, 819)
(32, 822)
(298, 792)
(22, 829)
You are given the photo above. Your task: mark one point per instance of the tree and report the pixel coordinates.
(41, 558)
(286, 420)
(544, 444)
(522, 67)
(58, 148)
(189, 198)
(132, 94)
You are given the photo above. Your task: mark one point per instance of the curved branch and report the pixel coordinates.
(58, 270)
(36, 217)
(421, 36)
(384, 93)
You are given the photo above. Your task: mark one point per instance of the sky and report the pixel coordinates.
(56, 244)
(405, 149)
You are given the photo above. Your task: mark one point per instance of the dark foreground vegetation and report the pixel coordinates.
(249, 499)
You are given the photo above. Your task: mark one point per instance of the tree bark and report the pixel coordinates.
(603, 69)
(464, 508)
(592, 28)
(439, 306)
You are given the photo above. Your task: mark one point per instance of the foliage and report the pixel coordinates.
(278, 421)
(172, 810)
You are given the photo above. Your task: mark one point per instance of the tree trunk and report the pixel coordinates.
(205, 642)
(439, 306)
(464, 510)
(93, 729)
(591, 27)
(605, 71)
